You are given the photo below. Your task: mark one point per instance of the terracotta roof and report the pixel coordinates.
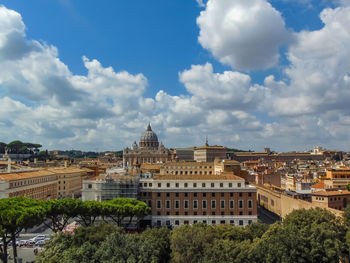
(319, 185)
(211, 147)
(25, 175)
(223, 176)
(38, 173)
(331, 193)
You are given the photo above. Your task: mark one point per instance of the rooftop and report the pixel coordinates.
(332, 193)
(223, 176)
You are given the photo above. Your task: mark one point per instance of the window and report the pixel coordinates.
(150, 184)
(159, 223)
(212, 184)
(222, 222)
(213, 222)
(204, 204)
(145, 184)
(204, 221)
(203, 184)
(177, 222)
(232, 222)
(194, 194)
(194, 184)
(158, 194)
(90, 186)
(159, 184)
(186, 194)
(212, 194)
(177, 213)
(240, 203)
(222, 204)
(222, 194)
(213, 204)
(232, 204)
(177, 185)
(186, 184)
(250, 213)
(186, 204)
(168, 185)
(241, 222)
(167, 194)
(240, 194)
(204, 194)
(195, 222)
(221, 185)
(249, 194)
(204, 213)
(240, 213)
(177, 204)
(213, 213)
(167, 204)
(159, 204)
(239, 184)
(250, 204)
(230, 185)
(177, 194)
(249, 222)
(158, 213)
(195, 204)
(231, 194)
(186, 213)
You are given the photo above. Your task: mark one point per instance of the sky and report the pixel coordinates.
(248, 74)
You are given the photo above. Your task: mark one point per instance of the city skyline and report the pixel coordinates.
(247, 74)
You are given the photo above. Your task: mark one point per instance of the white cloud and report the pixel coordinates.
(43, 101)
(246, 34)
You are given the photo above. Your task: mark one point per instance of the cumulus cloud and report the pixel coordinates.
(319, 68)
(43, 101)
(245, 34)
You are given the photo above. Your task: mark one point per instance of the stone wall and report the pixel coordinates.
(282, 204)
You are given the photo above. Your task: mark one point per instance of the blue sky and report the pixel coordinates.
(240, 78)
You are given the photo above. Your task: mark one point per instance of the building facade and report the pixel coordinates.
(190, 199)
(39, 185)
(208, 153)
(149, 150)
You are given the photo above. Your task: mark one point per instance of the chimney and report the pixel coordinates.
(65, 164)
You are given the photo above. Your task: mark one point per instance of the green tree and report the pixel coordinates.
(88, 212)
(16, 214)
(313, 235)
(2, 147)
(120, 209)
(155, 245)
(189, 243)
(60, 211)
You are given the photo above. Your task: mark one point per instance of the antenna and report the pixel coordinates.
(206, 141)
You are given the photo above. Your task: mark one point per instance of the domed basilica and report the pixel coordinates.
(149, 150)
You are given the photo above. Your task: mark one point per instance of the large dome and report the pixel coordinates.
(149, 139)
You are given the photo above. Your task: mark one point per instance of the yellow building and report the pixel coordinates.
(40, 184)
(208, 153)
(338, 178)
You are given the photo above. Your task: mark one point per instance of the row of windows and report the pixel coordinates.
(32, 181)
(187, 167)
(189, 172)
(194, 185)
(204, 213)
(203, 194)
(213, 222)
(195, 204)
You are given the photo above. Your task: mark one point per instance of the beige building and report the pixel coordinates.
(208, 153)
(187, 168)
(70, 181)
(149, 150)
(40, 184)
(336, 199)
(43, 184)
